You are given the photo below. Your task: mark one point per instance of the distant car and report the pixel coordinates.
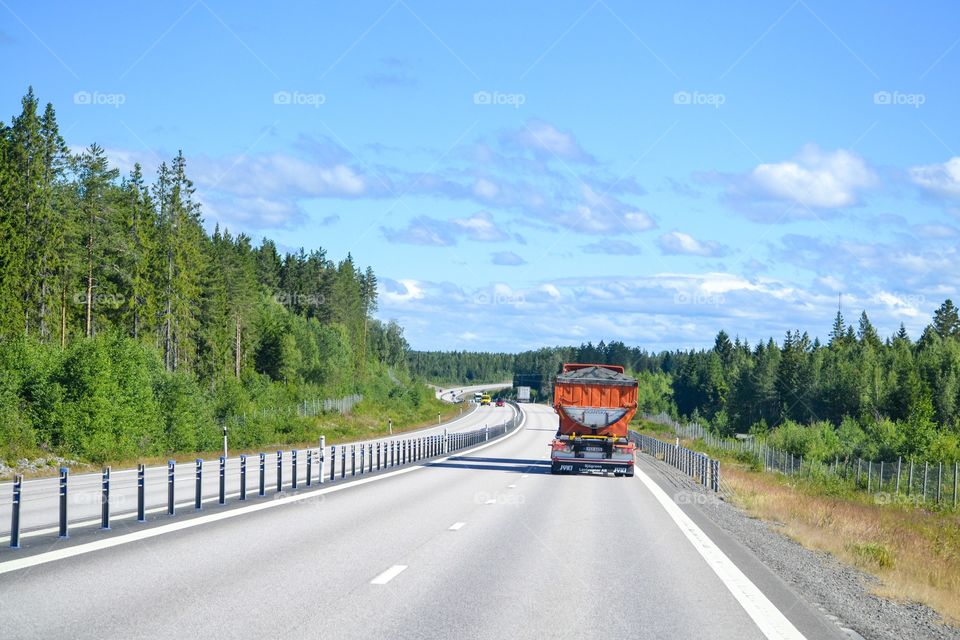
(499, 402)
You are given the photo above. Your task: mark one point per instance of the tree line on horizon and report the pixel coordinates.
(126, 326)
(855, 394)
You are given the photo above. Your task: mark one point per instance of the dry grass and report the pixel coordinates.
(915, 553)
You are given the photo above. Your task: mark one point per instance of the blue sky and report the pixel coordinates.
(529, 174)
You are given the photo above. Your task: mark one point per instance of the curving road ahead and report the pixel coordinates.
(486, 544)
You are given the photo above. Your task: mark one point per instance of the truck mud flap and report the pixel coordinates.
(585, 467)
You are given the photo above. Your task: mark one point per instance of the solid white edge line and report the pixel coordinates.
(770, 620)
(389, 574)
(456, 526)
(88, 547)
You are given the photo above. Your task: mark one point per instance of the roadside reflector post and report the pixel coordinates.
(446, 441)
(15, 512)
(320, 461)
(343, 461)
(141, 492)
(293, 469)
(370, 457)
(378, 456)
(263, 473)
(363, 450)
(105, 499)
(309, 467)
(197, 501)
(171, 470)
(64, 474)
(243, 476)
(279, 471)
(353, 460)
(223, 480)
(333, 462)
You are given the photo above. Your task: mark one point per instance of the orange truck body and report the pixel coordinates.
(612, 399)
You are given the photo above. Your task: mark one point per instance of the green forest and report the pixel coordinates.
(127, 329)
(857, 394)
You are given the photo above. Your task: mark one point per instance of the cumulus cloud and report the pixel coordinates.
(429, 231)
(679, 243)
(941, 179)
(545, 140)
(813, 181)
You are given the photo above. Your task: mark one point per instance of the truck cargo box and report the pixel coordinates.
(594, 399)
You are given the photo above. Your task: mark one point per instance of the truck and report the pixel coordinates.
(523, 394)
(595, 403)
(485, 399)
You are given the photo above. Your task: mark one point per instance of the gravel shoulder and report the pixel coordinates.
(841, 592)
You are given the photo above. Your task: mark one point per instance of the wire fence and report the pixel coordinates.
(923, 483)
(699, 467)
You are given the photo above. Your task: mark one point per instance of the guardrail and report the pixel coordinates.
(703, 469)
(338, 463)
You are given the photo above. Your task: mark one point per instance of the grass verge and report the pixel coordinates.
(914, 552)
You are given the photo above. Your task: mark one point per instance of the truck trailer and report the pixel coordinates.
(595, 403)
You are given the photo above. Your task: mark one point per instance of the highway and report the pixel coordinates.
(40, 497)
(485, 544)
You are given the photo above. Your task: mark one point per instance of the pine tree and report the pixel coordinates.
(946, 321)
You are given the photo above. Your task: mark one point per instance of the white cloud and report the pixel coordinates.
(480, 226)
(816, 178)
(507, 259)
(401, 291)
(485, 189)
(942, 179)
(425, 230)
(679, 243)
(543, 137)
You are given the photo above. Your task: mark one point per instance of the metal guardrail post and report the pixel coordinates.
(223, 480)
(141, 492)
(370, 457)
(353, 460)
(343, 461)
(321, 461)
(199, 483)
(279, 471)
(309, 467)
(105, 499)
(293, 469)
(243, 476)
(378, 456)
(333, 462)
(363, 450)
(171, 470)
(64, 475)
(263, 474)
(15, 512)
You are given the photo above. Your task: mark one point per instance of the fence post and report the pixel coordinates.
(199, 483)
(859, 464)
(956, 467)
(869, 474)
(925, 466)
(141, 492)
(939, 479)
(263, 474)
(899, 461)
(243, 476)
(15, 512)
(910, 479)
(105, 500)
(223, 480)
(171, 470)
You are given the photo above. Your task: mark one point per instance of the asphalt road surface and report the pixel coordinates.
(486, 544)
